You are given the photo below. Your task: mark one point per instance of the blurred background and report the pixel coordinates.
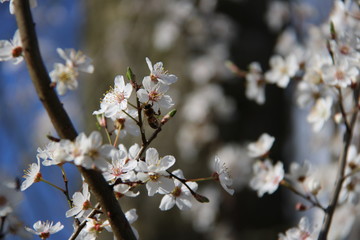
(194, 39)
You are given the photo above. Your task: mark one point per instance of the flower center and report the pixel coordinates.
(65, 77)
(118, 96)
(215, 176)
(120, 123)
(118, 195)
(76, 152)
(350, 187)
(301, 178)
(155, 177)
(340, 75)
(98, 227)
(17, 52)
(44, 235)
(3, 200)
(93, 153)
(153, 78)
(176, 192)
(86, 205)
(117, 171)
(154, 96)
(345, 50)
(304, 235)
(284, 70)
(38, 177)
(352, 165)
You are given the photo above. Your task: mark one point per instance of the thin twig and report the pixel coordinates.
(306, 197)
(140, 122)
(108, 136)
(130, 116)
(61, 121)
(329, 213)
(67, 192)
(183, 181)
(342, 109)
(147, 143)
(66, 182)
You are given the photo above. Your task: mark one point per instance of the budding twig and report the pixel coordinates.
(329, 213)
(66, 182)
(306, 197)
(146, 143)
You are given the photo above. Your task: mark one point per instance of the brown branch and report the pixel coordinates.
(304, 196)
(62, 122)
(330, 210)
(147, 143)
(342, 109)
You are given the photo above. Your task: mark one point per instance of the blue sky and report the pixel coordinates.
(58, 24)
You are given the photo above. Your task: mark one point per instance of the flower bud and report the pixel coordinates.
(101, 120)
(300, 207)
(167, 117)
(313, 186)
(200, 198)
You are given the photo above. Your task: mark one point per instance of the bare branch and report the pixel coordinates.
(61, 120)
(330, 210)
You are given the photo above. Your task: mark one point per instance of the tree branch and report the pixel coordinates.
(61, 120)
(329, 213)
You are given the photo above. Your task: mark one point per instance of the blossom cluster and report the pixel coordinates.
(325, 72)
(323, 68)
(124, 168)
(64, 76)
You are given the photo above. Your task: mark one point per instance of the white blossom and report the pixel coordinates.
(12, 50)
(132, 216)
(341, 74)
(153, 172)
(76, 59)
(320, 113)
(261, 147)
(299, 172)
(81, 203)
(115, 100)
(124, 190)
(267, 177)
(32, 175)
(312, 185)
(301, 232)
(154, 94)
(277, 15)
(222, 174)
(125, 124)
(93, 227)
(282, 70)
(180, 195)
(255, 84)
(350, 190)
(121, 166)
(89, 152)
(33, 3)
(158, 73)
(45, 229)
(10, 197)
(54, 153)
(307, 93)
(64, 77)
